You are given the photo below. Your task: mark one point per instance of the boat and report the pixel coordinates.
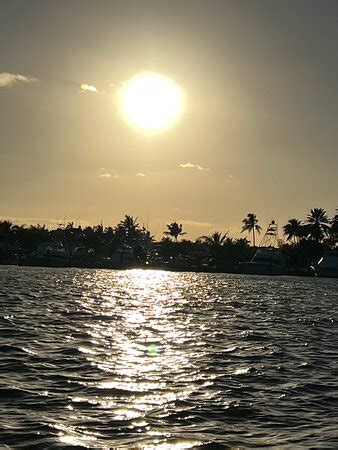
(268, 259)
(47, 255)
(328, 265)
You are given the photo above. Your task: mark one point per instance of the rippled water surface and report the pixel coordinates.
(153, 359)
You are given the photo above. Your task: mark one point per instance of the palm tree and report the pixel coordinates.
(215, 239)
(128, 230)
(332, 239)
(70, 240)
(250, 223)
(130, 223)
(294, 230)
(174, 230)
(318, 224)
(216, 246)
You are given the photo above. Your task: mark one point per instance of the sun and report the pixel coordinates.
(151, 102)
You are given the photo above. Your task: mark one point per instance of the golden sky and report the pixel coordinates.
(258, 132)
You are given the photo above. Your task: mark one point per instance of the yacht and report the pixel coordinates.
(268, 259)
(328, 264)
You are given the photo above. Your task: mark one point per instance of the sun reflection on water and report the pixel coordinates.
(135, 349)
(132, 359)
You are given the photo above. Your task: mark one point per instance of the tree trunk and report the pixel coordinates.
(253, 235)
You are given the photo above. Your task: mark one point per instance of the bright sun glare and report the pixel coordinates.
(151, 102)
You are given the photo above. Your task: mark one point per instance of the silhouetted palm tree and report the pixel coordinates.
(215, 239)
(174, 230)
(332, 238)
(216, 247)
(294, 230)
(318, 224)
(130, 223)
(70, 240)
(128, 230)
(250, 224)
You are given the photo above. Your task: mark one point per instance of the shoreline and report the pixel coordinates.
(164, 267)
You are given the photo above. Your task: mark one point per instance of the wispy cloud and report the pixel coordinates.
(108, 175)
(194, 223)
(30, 220)
(88, 88)
(189, 165)
(51, 223)
(140, 174)
(8, 79)
(105, 175)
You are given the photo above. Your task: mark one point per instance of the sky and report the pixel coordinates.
(258, 133)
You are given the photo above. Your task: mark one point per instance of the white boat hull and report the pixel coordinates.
(328, 266)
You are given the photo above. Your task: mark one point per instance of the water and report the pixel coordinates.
(102, 359)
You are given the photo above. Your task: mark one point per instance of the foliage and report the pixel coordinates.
(174, 230)
(294, 230)
(100, 241)
(250, 224)
(305, 242)
(317, 224)
(215, 240)
(225, 251)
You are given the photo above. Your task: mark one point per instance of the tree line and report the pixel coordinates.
(304, 244)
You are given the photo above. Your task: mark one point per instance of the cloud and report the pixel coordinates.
(105, 175)
(189, 165)
(29, 220)
(193, 223)
(140, 174)
(8, 79)
(51, 223)
(88, 88)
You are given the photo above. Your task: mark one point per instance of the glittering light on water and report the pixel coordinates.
(152, 350)
(153, 360)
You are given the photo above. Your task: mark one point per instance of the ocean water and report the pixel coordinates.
(152, 359)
